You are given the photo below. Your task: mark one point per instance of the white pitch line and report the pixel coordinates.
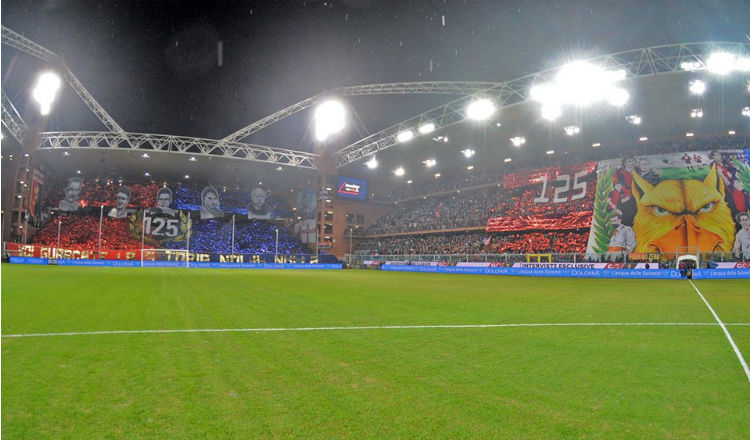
(726, 332)
(369, 327)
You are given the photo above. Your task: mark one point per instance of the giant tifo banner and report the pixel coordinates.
(553, 198)
(675, 202)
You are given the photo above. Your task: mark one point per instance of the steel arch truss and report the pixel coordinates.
(658, 60)
(22, 43)
(13, 121)
(177, 144)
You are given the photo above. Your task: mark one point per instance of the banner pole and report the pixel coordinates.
(143, 233)
(187, 256)
(232, 236)
(101, 216)
(59, 227)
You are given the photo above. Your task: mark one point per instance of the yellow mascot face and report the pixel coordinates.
(677, 214)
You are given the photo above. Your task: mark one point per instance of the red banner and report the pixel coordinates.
(30, 250)
(571, 220)
(526, 178)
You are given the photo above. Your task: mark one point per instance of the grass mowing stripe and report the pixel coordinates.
(726, 332)
(370, 327)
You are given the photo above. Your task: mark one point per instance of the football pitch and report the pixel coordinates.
(119, 353)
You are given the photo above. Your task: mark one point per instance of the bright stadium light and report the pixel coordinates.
(580, 84)
(330, 118)
(696, 113)
(507, 159)
(372, 163)
(689, 134)
(643, 138)
(572, 130)
(550, 112)
(596, 144)
(429, 163)
(145, 155)
(480, 109)
(517, 141)
(746, 111)
(468, 153)
(192, 159)
(731, 132)
(45, 91)
(399, 171)
(697, 87)
(443, 139)
(426, 128)
(437, 175)
(405, 136)
(721, 63)
(470, 167)
(691, 66)
(633, 119)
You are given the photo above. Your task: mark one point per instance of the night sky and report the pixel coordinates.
(154, 65)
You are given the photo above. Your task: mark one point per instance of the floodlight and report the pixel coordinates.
(721, 63)
(643, 138)
(689, 134)
(187, 176)
(426, 128)
(470, 167)
(405, 136)
(746, 111)
(619, 97)
(443, 139)
(731, 133)
(145, 155)
(697, 87)
(330, 118)
(550, 151)
(551, 112)
(78, 171)
(468, 153)
(279, 168)
(65, 153)
(437, 175)
(429, 163)
(480, 109)
(409, 181)
(517, 141)
(596, 144)
(147, 174)
(508, 159)
(572, 130)
(696, 113)
(45, 91)
(691, 66)
(399, 171)
(192, 159)
(633, 119)
(372, 163)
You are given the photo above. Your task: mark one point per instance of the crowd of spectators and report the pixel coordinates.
(490, 175)
(472, 209)
(81, 232)
(478, 243)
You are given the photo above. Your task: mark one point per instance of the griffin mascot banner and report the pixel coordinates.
(674, 202)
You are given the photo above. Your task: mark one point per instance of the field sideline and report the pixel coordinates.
(368, 354)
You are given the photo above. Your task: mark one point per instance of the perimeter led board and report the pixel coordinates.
(350, 188)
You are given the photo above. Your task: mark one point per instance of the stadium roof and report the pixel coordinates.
(164, 71)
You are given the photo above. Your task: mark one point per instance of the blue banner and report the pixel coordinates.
(720, 274)
(107, 263)
(263, 266)
(543, 272)
(28, 260)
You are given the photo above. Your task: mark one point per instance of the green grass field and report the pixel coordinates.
(545, 382)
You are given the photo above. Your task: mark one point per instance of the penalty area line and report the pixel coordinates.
(370, 327)
(726, 332)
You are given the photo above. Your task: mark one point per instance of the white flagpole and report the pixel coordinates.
(143, 233)
(187, 257)
(233, 236)
(59, 226)
(101, 216)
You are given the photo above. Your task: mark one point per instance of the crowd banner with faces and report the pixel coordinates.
(674, 202)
